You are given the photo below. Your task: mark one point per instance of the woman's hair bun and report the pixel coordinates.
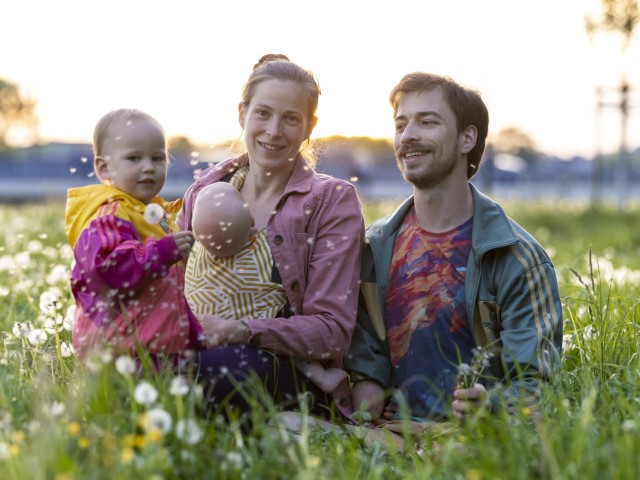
(271, 57)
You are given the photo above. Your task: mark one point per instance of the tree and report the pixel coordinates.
(16, 112)
(621, 16)
(515, 141)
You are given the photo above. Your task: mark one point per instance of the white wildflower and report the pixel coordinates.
(145, 393)
(66, 350)
(179, 386)
(37, 337)
(21, 329)
(125, 365)
(58, 274)
(234, 460)
(156, 419)
(50, 300)
(67, 322)
(188, 431)
(34, 246)
(23, 260)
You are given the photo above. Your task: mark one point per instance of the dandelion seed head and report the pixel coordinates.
(188, 431)
(145, 393)
(125, 365)
(156, 419)
(179, 386)
(37, 337)
(153, 213)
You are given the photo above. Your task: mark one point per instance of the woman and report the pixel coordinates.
(310, 231)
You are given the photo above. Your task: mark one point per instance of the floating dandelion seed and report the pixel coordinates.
(145, 393)
(353, 179)
(125, 365)
(73, 169)
(188, 431)
(153, 213)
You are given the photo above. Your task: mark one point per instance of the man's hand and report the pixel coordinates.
(368, 397)
(468, 401)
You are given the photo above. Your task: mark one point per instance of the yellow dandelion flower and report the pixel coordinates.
(139, 441)
(127, 455)
(64, 476)
(526, 411)
(74, 428)
(473, 474)
(128, 441)
(154, 435)
(83, 442)
(109, 441)
(14, 450)
(17, 436)
(314, 461)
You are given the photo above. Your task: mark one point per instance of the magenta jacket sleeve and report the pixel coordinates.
(317, 247)
(110, 254)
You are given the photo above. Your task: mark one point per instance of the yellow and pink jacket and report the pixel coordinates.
(128, 278)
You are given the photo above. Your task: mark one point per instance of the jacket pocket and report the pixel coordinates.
(488, 329)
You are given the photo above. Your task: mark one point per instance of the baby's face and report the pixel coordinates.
(222, 221)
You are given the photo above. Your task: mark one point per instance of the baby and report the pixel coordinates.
(224, 226)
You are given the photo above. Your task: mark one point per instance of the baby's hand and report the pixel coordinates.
(184, 241)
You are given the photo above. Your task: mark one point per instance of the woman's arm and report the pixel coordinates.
(324, 295)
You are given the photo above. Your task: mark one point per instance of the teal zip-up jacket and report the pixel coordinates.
(512, 302)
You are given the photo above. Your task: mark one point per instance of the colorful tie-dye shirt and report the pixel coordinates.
(427, 324)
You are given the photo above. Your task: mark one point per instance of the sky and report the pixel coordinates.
(185, 63)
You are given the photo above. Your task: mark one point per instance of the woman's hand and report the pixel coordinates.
(184, 241)
(219, 332)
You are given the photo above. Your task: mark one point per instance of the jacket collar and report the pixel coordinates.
(491, 226)
(299, 180)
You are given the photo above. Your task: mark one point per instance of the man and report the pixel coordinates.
(449, 275)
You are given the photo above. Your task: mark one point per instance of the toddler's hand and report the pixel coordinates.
(184, 241)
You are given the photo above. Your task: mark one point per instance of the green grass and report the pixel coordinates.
(59, 420)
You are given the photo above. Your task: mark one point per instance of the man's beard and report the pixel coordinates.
(434, 173)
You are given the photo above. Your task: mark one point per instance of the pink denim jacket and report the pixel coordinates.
(316, 236)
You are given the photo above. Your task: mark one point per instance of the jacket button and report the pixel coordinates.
(295, 286)
(277, 239)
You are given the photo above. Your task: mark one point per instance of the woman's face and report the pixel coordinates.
(275, 124)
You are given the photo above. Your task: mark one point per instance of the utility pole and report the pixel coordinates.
(623, 170)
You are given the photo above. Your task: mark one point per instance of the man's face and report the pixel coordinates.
(426, 142)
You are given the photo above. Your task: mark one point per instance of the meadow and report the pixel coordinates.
(60, 420)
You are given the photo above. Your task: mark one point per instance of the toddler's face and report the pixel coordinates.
(135, 158)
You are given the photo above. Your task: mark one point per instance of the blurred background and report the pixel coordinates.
(561, 81)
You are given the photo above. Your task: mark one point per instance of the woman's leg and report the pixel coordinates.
(228, 376)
